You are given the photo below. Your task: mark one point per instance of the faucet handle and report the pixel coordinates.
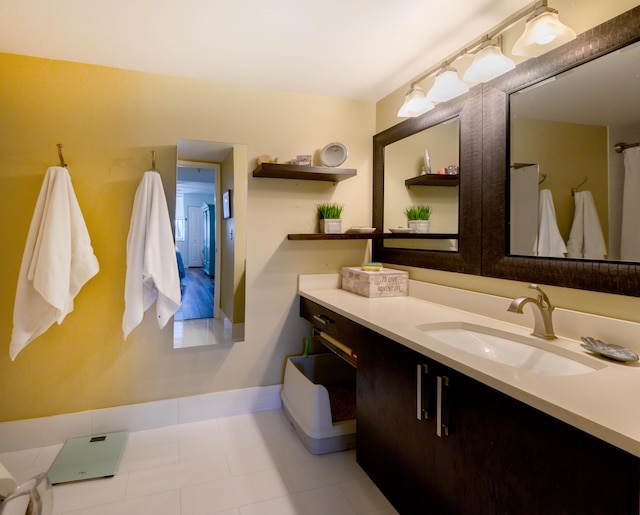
(542, 296)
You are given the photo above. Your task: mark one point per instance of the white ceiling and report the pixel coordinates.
(359, 49)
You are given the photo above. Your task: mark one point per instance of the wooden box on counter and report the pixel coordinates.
(386, 282)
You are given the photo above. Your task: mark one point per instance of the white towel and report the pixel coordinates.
(58, 260)
(630, 237)
(585, 238)
(152, 270)
(549, 242)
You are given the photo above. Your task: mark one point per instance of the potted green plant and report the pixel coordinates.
(329, 216)
(418, 217)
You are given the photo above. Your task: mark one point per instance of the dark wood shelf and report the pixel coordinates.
(335, 236)
(432, 179)
(303, 172)
(372, 236)
(420, 236)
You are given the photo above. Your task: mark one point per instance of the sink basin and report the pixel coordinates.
(513, 350)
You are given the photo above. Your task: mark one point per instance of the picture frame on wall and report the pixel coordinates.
(226, 204)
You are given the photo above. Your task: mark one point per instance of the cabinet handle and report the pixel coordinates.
(419, 391)
(441, 428)
(422, 412)
(322, 319)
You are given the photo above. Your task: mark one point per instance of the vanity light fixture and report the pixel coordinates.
(543, 32)
(447, 86)
(415, 103)
(489, 63)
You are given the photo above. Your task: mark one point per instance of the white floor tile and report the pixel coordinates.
(19, 459)
(87, 494)
(251, 464)
(170, 477)
(150, 456)
(279, 506)
(322, 501)
(166, 503)
(176, 433)
(320, 471)
(233, 492)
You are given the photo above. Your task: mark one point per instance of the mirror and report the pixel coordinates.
(422, 169)
(562, 114)
(449, 133)
(210, 247)
(567, 132)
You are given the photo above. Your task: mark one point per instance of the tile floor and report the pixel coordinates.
(250, 464)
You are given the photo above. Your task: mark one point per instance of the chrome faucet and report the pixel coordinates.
(542, 309)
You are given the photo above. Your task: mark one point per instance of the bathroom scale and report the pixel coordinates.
(88, 457)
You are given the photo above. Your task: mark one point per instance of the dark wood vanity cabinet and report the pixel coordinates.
(437, 441)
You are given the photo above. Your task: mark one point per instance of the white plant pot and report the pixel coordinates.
(330, 226)
(419, 226)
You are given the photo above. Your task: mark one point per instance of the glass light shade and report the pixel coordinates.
(415, 103)
(447, 86)
(488, 64)
(541, 34)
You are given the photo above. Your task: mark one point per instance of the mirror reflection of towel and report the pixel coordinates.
(58, 260)
(585, 238)
(549, 242)
(152, 271)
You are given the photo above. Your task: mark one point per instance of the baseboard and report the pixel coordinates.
(39, 432)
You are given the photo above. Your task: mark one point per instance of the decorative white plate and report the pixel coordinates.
(361, 229)
(609, 350)
(400, 230)
(333, 154)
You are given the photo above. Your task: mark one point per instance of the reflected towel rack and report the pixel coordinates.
(154, 154)
(62, 163)
(620, 147)
(575, 189)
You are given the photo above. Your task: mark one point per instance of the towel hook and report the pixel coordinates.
(153, 160)
(544, 178)
(62, 163)
(575, 190)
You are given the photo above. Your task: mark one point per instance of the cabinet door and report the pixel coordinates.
(503, 456)
(395, 443)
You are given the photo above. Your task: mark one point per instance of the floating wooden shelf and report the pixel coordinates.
(334, 236)
(432, 179)
(303, 172)
(372, 236)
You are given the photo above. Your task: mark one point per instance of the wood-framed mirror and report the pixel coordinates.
(453, 244)
(503, 125)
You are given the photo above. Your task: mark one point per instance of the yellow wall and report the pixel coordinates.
(584, 154)
(581, 16)
(109, 120)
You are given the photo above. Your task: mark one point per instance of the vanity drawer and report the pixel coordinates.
(329, 322)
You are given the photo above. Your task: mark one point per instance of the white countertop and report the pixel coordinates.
(604, 403)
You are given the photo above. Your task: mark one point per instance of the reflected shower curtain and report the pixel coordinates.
(630, 244)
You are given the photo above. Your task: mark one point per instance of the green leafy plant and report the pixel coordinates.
(418, 212)
(329, 210)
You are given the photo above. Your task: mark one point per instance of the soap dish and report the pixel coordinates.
(608, 350)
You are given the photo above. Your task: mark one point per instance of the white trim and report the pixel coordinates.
(39, 432)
